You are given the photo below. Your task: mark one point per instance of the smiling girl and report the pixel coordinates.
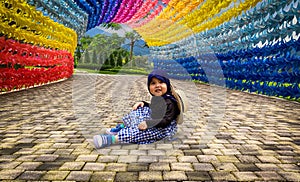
(147, 122)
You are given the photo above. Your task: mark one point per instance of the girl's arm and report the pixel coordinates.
(140, 104)
(170, 114)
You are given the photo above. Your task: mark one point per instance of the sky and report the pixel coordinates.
(121, 32)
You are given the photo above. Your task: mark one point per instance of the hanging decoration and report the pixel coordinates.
(34, 49)
(69, 14)
(257, 51)
(248, 45)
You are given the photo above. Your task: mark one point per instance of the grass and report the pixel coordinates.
(141, 71)
(134, 71)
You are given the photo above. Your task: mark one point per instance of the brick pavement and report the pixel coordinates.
(227, 135)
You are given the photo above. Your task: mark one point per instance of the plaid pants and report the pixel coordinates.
(131, 133)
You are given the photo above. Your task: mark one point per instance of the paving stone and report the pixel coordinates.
(268, 159)
(222, 176)
(26, 151)
(190, 159)
(49, 138)
(228, 159)
(182, 166)
(148, 159)
(168, 159)
(138, 152)
(290, 176)
(212, 152)
(174, 152)
(7, 158)
(150, 176)
(80, 151)
(174, 175)
(157, 152)
(203, 167)
(55, 175)
(116, 167)
(147, 147)
(46, 158)
(248, 159)
(164, 146)
(192, 152)
(268, 153)
(72, 166)
(45, 145)
(65, 158)
(225, 167)
(216, 146)
(127, 176)
(103, 176)
(9, 165)
(268, 167)
(10, 174)
(79, 176)
(286, 152)
(181, 146)
(119, 152)
(128, 159)
(290, 167)
(243, 167)
(87, 158)
(63, 151)
(221, 141)
(287, 159)
(130, 147)
(246, 176)
(107, 158)
(137, 167)
(269, 175)
(28, 158)
(159, 167)
(207, 158)
(49, 166)
(230, 151)
(198, 176)
(92, 166)
(61, 145)
(31, 175)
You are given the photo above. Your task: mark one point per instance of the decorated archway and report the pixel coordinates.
(248, 45)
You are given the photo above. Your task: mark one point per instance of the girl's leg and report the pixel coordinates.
(104, 140)
(114, 131)
(134, 135)
(131, 120)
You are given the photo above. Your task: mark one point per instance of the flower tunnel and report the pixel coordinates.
(253, 44)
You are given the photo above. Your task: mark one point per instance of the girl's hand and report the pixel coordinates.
(142, 125)
(138, 104)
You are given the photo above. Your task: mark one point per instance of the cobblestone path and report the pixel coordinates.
(227, 135)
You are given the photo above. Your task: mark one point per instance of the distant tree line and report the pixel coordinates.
(104, 52)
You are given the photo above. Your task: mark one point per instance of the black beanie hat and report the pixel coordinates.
(162, 76)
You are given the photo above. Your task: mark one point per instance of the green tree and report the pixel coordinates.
(77, 57)
(132, 37)
(113, 26)
(85, 41)
(106, 64)
(111, 60)
(94, 57)
(87, 58)
(119, 59)
(101, 47)
(126, 59)
(106, 45)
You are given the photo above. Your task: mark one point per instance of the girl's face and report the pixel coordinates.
(157, 87)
